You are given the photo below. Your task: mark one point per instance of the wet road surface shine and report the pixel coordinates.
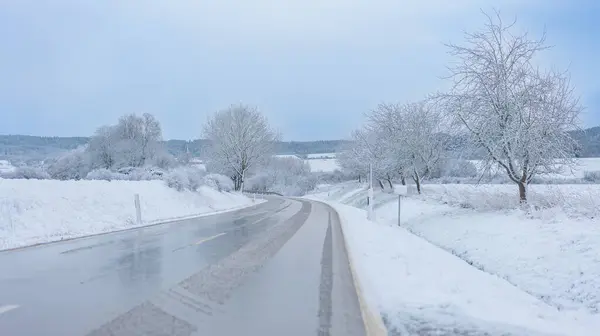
(273, 269)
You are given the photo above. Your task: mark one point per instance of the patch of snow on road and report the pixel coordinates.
(38, 211)
(421, 289)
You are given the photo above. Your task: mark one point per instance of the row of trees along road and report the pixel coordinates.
(513, 112)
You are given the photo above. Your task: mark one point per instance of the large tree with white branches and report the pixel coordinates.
(240, 139)
(516, 113)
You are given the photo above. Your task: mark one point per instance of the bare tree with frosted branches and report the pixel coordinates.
(516, 113)
(411, 137)
(240, 138)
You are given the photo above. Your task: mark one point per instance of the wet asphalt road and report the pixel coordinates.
(278, 268)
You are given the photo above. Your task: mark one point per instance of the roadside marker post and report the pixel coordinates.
(138, 209)
(399, 208)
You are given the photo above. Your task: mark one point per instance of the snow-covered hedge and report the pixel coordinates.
(218, 182)
(286, 176)
(27, 173)
(105, 175)
(591, 176)
(454, 168)
(184, 178)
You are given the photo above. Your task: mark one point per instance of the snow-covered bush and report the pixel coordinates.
(184, 178)
(28, 173)
(336, 176)
(219, 182)
(260, 182)
(105, 175)
(453, 168)
(142, 173)
(592, 176)
(73, 165)
(286, 176)
(461, 168)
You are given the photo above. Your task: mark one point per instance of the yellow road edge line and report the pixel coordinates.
(372, 319)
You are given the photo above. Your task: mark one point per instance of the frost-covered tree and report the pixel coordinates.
(516, 113)
(240, 139)
(410, 136)
(138, 139)
(285, 175)
(135, 141)
(102, 148)
(350, 162)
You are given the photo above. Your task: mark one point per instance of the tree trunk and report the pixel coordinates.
(380, 184)
(390, 183)
(417, 180)
(403, 180)
(242, 182)
(359, 179)
(522, 192)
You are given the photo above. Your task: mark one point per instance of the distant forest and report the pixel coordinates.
(26, 148)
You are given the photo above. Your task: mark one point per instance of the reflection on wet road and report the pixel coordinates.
(271, 269)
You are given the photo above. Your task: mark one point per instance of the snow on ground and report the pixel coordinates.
(322, 165)
(421, 289)
(550, 252)
(6, 167)
(287, 156)
(37, 211)
(321, 156)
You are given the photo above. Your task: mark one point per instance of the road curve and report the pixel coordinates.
(278, 268)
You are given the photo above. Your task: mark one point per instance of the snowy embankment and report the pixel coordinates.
(323, 165)
(39, 211)
(537, 269)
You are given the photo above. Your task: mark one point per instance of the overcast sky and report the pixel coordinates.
(312, 66)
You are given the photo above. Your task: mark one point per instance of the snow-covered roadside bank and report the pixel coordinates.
(421, 289)
(550, 252)
(39, 211)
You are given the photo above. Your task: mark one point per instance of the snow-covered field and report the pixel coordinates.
(539, 269)
(322, 165)
(37, 211)
(321, 156)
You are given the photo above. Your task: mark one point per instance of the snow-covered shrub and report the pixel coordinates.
(28, 173)
(336, 176)
(286, 176)
(461, 168)
(73, 165)
(184, 178)
(105, 175)
(592, 176)
(219, 182)
(260, 182)
(164, 160)
(453, 168)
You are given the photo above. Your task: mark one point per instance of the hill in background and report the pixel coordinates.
(28, 148)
